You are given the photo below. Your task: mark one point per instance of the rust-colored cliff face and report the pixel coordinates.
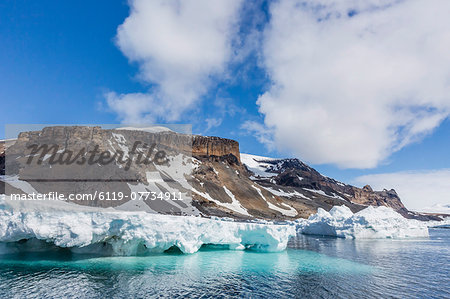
(214, 146)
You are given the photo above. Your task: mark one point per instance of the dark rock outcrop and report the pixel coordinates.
(294, 176)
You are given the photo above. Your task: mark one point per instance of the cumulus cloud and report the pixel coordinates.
(260, 132)
(179, 46)
(212, 123)
(355, 81)
(418, 190)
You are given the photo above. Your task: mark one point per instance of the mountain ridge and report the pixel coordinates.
(224, 182)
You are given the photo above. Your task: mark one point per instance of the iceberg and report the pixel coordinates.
(370, 223)
(112, 232)
(444, 223)
(86, 229)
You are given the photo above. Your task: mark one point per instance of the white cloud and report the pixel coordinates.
(260, 132)
(418, 190)
(213, 123)
(353, 90)
(179, 46)
(134, 108)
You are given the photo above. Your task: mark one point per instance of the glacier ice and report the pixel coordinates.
(129, 233)
(370, 223)
(87, 229)
(444, 223)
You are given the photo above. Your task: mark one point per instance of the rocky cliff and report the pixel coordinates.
(203, 146)
(76, 136)
(300, 181)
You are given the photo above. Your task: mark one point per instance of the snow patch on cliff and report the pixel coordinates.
(291, 212)
(256, 165)
(235, 204)
(19, 184)
(324, 194)
(294, 193)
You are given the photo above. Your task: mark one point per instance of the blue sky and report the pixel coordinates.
(60, 59)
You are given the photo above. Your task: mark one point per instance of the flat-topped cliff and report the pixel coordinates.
(215, 146)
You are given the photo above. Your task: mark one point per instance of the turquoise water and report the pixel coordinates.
(311, 267)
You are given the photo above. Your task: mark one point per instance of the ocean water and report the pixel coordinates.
(312, 267)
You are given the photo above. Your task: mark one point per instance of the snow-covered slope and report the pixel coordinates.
(293, 179)
(258, 165)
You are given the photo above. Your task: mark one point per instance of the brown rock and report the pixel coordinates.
(215, 146)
